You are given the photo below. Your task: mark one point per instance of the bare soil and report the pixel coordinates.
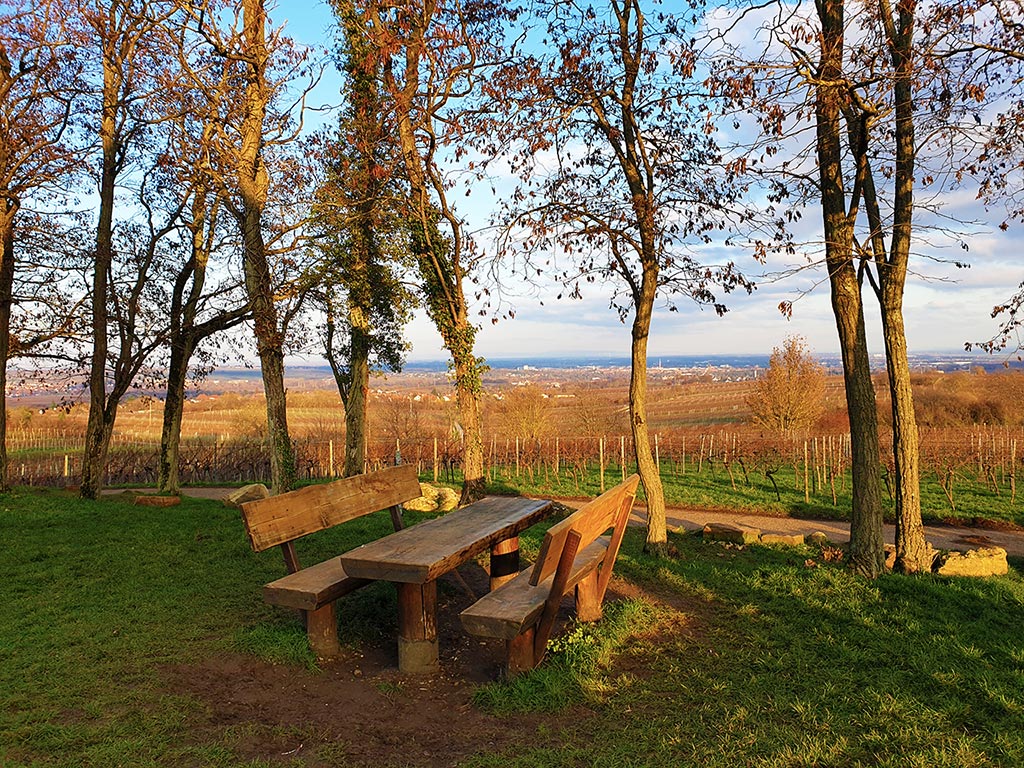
(359, 710)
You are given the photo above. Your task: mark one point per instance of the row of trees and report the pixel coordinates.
(634, 134)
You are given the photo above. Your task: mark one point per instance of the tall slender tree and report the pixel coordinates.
(620, 175)
(130, 47)
(259, 171)
(38, 74)
(360, 217)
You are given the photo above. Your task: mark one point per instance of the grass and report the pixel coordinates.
(746, 657)
(754, 492)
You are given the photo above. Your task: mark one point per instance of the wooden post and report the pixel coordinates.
(504, 561)
(67, 465)
(556, 456)
(807, 489)
(330, 452)
(600, 453)
(417, 628)
(657, 453)
(322, 631)
(588, 598)
(519, 656)
(435, 456)
(517, 457)
(1013, 471)
(684, 454)
(622, 456)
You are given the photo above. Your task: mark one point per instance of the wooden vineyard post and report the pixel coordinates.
(435, 457)
(330, 456)
(1013, 471)
(700, 456)
(600, 456)
(556, 457)
(517, 457)
(684, 454)
(807, 489)
(657, 454)
(622, 456)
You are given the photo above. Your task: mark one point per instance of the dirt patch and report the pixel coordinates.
(359, 710)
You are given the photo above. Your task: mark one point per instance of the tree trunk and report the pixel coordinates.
(467, 395)
(253, 185)
(270, 348)
(657, 529)
(355, 409)
(911, 548)
(867, 552)
(168, 480)
(6, 304)
(912, 554)
(97, 431)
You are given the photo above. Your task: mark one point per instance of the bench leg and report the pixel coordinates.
(322, 631)
(519, 655)
(417, 628)
(504, 561)
(588, 598)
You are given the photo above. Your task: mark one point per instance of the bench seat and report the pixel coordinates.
(312, 587)
(509, 611)
(575, 554)
(278, 521)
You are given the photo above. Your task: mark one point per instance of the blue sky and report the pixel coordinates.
(944, 306)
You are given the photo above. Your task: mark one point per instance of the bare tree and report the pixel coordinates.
(261, 175)
(38, 74)
(620, 175)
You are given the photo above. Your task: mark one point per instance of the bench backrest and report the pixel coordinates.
(289, 516)
(609, 510)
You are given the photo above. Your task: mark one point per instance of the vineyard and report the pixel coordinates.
(573, 443)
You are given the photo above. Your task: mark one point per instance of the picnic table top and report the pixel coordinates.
(423, 552)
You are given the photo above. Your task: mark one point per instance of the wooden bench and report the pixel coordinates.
(574, 554)
(280, 520)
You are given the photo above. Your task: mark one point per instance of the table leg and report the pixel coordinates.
(504, 561)
(417, 628)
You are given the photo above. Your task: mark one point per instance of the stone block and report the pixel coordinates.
(783, 539)
(253, 492)
(890, 556)
(736, 534)
(447, 499)
(986, 561)
(146, 500)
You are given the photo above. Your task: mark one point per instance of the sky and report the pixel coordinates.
(944, 307)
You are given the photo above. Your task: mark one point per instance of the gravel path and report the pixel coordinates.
(941, 536)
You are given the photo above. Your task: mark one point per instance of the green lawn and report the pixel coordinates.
(753, 491)
(720, 657)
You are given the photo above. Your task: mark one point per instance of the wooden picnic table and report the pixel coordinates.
(415, 557)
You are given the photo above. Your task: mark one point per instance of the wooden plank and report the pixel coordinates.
(317, 507)
(510, 610)
(313, 587)
(589, 521)
(434, 547)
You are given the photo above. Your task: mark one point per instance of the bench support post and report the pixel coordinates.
(322, 631)
(519, 655)
(588, 598)
(417, 628)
